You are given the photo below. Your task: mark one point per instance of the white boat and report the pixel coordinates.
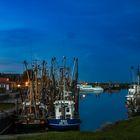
(89, 88)
(133, 91)
(98, 89)
(85, 88)
(133, 98)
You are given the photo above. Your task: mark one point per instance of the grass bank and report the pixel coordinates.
(124, 130)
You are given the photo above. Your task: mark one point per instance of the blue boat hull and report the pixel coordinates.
(64, 124)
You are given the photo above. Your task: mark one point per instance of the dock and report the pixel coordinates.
(6, 120)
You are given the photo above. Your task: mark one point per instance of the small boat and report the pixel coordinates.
(85, 88)
(89, 88)
(98, 89)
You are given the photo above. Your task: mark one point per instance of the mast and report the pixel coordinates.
(74, 81)
(64, 84)
(73, 71)
(52, 85)
(43, 82)
(35, 92)
(25, 63)
(76, 90)
(43, 88)
(64, 77)
(30, 88)
(138, 75)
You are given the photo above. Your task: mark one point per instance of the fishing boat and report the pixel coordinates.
(65, 118)
(32, 112)
(133, 97)
(66, 113)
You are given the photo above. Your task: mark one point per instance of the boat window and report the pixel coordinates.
(59, 109)
(67, 110)
(68, 116)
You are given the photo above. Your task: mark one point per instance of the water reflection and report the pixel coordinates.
(97, 109)
(84, 95)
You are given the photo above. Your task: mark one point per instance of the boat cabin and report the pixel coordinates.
(64, 109)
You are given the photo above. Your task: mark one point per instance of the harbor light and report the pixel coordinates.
(26, 84)
(7, 79)
(18, 85)
(83, 95)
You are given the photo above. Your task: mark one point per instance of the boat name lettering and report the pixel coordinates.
(63, 122)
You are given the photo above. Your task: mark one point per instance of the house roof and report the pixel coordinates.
(5, 80)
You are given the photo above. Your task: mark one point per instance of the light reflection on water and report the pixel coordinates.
(98, 109)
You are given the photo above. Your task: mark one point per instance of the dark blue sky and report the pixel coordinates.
(103, 34)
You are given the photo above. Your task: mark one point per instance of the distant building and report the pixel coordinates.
(6, 84)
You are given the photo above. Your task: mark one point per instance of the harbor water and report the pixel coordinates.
(98, 110)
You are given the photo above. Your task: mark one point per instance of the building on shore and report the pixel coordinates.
(6, 85)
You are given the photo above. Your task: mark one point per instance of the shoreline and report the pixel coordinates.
(123, 129)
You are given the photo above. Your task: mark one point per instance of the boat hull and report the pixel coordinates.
(29, 127)
(64, 124)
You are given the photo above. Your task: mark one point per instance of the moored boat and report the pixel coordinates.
(98, 89)
(66, 104)
(64, 116)
(31, 114)
(89, 88)
(133, 98)
(85, 88)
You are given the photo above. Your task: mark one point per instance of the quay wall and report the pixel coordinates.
(6, 121)
(4, 96)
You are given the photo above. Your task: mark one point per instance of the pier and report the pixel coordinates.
(6, 121)
(7, 111)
